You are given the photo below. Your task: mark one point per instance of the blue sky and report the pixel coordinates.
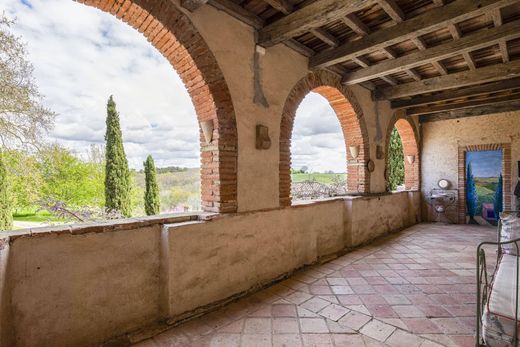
(485, 163)
(82, 55)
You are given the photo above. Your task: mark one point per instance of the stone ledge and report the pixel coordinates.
(98, 227)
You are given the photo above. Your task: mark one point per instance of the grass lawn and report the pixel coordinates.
(32, 216)
(485, 188)
(324, 178)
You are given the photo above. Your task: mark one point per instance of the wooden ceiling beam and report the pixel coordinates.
(354, 23)
(457, 94)
(283, 6)
(478, 40)
(459, 105)
(325, 36)
(424, 23)
(457, 34)
(422, 46)
(311, 16)
(237, 11)
(392, 9)
(192, 5)
(507, 106)
(300, 48)
(502, 45)
(485, 74)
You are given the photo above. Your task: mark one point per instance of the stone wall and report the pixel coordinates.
(82, 285)
(441, 141)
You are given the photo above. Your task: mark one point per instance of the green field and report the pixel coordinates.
(325, 178)
(34, 216)
(485, 187)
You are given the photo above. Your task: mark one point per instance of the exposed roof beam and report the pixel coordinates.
(392, 9)
(507, 106)
(192, 5)
(390, 80)
(314, 15)
(354, 23)
(460, 79)
(424, 23)
(413, 74)
(458, 93)
(283, 6)
(457, 34)
(238, 12)
(478, 40)
(502, 45)
(459, 105)
(300, 48)
(325, 36)
(438, 2)
(422, 46)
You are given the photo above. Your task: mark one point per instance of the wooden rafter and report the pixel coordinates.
(481, 39)
(460, 105)
(315, 15)
(192, 5)
(283, 6)
(507, 106)
(502, 45)
(422, 46)
(354, 23)
(325, 36)
(485, 74)
(424, 23)
(457, 34)
(392, 9)
(238, 12)
(457, 94)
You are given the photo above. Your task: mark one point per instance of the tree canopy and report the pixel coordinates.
(23, 117)
(395, 161)
(152, 201)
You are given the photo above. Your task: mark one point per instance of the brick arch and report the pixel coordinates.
(175, 37)
(350, 116)
(410, 139)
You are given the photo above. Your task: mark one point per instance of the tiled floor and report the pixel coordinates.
(414, 288)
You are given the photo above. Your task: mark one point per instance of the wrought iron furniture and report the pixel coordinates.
(497, 297)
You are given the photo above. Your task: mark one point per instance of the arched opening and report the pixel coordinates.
(318, 154)
(350, 116)
(410, 151)
(175, 37)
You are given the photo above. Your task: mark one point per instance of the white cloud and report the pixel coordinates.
(317, 140)
(82, 55)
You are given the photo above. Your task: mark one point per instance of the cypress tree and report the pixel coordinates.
(152, 202)
(395, 161)
(471, 195)
(498, 205)
(117, 174)
(6, 213)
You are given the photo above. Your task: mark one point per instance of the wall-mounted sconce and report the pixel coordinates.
(207, 130)
(262, 137)
(354, 151)
(410, 159)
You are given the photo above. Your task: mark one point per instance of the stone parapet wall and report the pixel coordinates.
(81, 285)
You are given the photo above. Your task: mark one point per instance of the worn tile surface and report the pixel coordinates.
(413, 288)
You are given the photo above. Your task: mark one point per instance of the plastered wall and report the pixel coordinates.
(83, 285)
(440, 142)
(281, 69)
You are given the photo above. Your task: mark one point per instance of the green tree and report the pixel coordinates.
(152, 201)
(498, 205)
(117, 174)
(395, 161)
(69, 179)
(6, 214)
(23, 118)
(178, 196)
(25, 179)
(471, 195)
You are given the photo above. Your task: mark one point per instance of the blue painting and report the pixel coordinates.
(484, 189)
